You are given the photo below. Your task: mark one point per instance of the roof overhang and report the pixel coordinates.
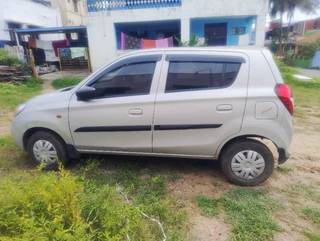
(65, 29)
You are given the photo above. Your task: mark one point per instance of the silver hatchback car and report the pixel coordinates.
(213, 103)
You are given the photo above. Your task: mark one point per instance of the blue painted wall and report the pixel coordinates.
(197, 27)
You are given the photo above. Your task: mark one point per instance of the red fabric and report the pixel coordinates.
(60, 44)
(148, 44)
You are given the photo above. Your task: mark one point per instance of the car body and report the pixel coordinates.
(179, 102)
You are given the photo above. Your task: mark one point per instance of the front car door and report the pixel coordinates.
(120, 118)
(200, 103)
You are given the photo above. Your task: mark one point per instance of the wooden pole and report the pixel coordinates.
(59, 57)
(32, 63)
(89, 61)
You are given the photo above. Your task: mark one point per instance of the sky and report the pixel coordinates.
(300, 16)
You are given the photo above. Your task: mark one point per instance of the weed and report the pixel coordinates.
(66, 82)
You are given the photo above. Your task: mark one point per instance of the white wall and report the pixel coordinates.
(26, 13)
(101, 32)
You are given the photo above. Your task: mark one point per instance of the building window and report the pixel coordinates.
(75, 5)
(188, 76)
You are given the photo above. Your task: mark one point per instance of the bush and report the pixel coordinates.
(5, 59)
(62, 206)
(307, 51)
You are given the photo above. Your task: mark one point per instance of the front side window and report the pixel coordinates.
(127, 80)
(187, 76)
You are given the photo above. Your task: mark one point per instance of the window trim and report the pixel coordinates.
(204, 58)
(126, 62)
(201, 60)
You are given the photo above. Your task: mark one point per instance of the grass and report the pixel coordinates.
(66, 82)
(312, 213)
(301, 63)
(13, 94)
(209, 207)
(312, 236)
(248, 211)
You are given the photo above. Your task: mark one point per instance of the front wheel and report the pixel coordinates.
(47, 149)
(247, 162)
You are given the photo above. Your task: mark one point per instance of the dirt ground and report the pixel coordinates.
(288, 185)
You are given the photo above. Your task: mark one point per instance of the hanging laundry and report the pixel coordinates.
(164, 43)
(41, 44)
(60, 44)
(148, 44)
(129, 42)
(32, 43)
(48, 50)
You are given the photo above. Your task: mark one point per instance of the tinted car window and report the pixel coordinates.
(184, 76)
(131, 79)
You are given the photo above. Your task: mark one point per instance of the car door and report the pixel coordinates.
(120, 117)
(200, 102)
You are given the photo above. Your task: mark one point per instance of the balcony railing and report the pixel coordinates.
(105, 5)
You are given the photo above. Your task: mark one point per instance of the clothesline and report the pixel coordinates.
(129, 42)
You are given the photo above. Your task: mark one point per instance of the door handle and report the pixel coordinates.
(224, 107)
(135, 111)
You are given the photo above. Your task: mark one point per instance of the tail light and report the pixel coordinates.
(284, 93)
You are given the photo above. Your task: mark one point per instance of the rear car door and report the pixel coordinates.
(120, 118)
(200, 102)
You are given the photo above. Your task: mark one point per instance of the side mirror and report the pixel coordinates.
(86, 93)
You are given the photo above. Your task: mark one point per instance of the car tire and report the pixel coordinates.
(247, 162)
(47, 149)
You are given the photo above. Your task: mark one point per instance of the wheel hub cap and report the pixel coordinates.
(248, 164)
(45, 152)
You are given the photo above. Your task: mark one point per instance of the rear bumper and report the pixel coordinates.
(283, 155)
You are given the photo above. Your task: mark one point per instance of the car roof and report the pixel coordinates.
(243, 49)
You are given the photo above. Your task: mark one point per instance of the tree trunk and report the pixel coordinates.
(280, 50)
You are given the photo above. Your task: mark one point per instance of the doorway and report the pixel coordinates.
(216, 34)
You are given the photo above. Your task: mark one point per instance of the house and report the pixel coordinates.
(211, 22)
(15, 14)
(73, 12)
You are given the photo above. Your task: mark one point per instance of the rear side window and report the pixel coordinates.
(188, 76)
(126, 80)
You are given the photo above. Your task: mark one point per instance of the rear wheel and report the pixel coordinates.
(247, 162)
(47, 149)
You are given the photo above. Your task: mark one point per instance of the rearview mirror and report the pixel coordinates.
(86, 93)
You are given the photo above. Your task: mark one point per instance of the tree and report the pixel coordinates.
(280, 7)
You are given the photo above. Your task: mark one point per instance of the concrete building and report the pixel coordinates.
(73, 12)
(214, 22)
(26, 14)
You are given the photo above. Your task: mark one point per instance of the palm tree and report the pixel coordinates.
(280, 7)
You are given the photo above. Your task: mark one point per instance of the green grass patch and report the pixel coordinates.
(248, 211)
(66, 82)
(10, 156)
(209, 207)
(13, 94)
(301, 63)
(312, 213)
(312, 236)
(284, 169)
